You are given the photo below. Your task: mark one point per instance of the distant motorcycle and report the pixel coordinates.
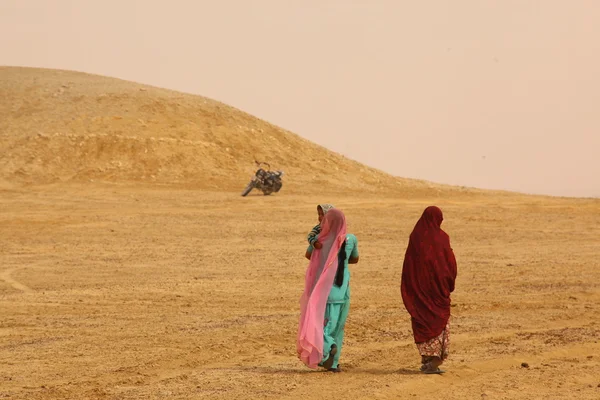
(264, 179)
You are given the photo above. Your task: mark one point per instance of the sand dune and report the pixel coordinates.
(63, 126)
(119, 282)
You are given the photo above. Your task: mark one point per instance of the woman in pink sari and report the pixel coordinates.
(325, 303)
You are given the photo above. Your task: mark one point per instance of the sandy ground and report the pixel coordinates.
(130, 267)
(116, 292)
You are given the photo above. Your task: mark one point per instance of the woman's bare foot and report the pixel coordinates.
(432, 366)
(329, 362)
(424, 361)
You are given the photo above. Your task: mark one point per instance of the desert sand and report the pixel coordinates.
(131, 268)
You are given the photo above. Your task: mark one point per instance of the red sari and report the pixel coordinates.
(428, 276)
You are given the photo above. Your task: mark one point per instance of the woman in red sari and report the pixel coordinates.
(428, 277)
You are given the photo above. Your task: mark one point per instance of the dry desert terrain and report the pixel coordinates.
(131, 268)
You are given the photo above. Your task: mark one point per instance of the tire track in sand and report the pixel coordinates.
(6, 276)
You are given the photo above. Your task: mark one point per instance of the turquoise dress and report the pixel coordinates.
(338, 305)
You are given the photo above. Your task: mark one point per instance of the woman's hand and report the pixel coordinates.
(317, 245)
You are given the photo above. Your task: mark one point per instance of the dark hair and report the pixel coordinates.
(339, 275)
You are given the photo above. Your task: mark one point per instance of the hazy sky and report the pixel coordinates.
(489, 93)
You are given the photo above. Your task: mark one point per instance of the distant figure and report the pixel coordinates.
(325, 303)
(313, 235)
(428, 277)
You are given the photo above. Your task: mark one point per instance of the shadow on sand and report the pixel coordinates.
(350, 370)
(382, 371)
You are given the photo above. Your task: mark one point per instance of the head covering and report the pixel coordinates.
(428, 276)
(326, 207)
(320, 275)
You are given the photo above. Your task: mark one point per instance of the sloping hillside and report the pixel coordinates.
(63, 126)
(59, 126)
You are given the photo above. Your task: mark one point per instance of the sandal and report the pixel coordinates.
(435, 371)
(427, 369)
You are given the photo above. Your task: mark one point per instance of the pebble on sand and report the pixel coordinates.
(524, 365)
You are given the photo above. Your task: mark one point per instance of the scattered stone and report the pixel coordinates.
(524, 365)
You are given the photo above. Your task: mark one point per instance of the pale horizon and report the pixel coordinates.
(495, 95)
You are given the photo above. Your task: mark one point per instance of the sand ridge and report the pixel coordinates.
(64, 126)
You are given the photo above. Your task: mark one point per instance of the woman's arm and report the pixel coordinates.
(451, 261)
(354, 257)
(313, 234)
(309, 251)
(308, 254)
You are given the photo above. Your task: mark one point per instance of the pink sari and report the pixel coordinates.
(320, 275)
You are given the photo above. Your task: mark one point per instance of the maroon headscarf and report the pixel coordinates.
(428, 276)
